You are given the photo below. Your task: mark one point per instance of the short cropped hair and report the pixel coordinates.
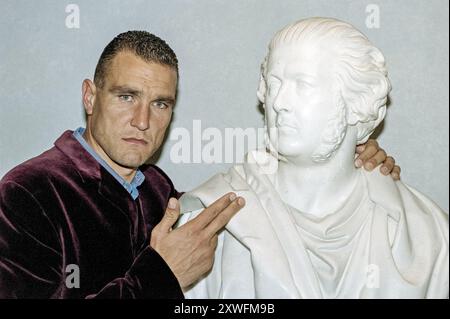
(145, 45)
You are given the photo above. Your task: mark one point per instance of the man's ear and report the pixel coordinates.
(88, 93)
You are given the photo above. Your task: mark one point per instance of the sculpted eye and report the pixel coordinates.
(273, 86)
(126, 98)
(301, 85)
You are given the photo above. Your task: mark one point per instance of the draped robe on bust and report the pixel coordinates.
(386, 241)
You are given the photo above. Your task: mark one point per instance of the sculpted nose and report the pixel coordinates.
(281, 105)
(141, 118)
(281, 102)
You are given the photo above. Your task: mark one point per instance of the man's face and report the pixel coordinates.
(300, 97)
(132, 110)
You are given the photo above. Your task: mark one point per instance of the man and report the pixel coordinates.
(315, 227)
(88, 218)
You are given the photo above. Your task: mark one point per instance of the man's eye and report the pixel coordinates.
(126, 98)
(161, 105)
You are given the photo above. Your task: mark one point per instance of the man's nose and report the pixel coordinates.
(141, 117)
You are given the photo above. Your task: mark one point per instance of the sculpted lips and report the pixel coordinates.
(285, 124)
(136, 141)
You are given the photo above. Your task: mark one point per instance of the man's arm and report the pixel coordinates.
(31, 255)
(188, 250)
(32, 260)
(148, 277)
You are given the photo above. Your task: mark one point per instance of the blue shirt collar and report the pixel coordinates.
(138, 179)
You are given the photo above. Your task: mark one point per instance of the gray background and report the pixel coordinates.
(220, 45)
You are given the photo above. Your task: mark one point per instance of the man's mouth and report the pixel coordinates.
(135, 141)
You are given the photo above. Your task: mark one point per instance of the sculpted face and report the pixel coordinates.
(300, 97)
(128, 116)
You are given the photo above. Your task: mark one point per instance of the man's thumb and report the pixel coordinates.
(171, 215)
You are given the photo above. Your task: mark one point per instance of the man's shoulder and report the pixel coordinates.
(152, 171)
(48, 165)
(157, 180)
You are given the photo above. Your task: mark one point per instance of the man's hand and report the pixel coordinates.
(371, 155)
(189, 249)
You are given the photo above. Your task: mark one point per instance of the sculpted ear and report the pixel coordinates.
(352, 118)
(365, 129)
(261, 93)
(381, 115)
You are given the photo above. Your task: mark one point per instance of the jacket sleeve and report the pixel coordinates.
(148, 277)
(31, 257)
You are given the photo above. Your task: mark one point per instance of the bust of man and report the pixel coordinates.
(314, 226)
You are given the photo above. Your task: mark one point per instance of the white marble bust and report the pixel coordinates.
(314, 226)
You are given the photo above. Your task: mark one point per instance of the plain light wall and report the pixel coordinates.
(220, 45)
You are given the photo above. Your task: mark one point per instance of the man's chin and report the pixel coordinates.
(131, 163)
(132, 159)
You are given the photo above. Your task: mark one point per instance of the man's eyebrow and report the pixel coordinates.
(125, 89)
(166, 99)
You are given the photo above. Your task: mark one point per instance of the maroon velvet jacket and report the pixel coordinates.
(63, 208)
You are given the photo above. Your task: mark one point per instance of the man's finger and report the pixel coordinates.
(224, 217)
(375, 160)
(360, 148)
(370, 150)
(396, 173)
(387, 166)
(209, 213)
(214, 240)
(170, 216)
